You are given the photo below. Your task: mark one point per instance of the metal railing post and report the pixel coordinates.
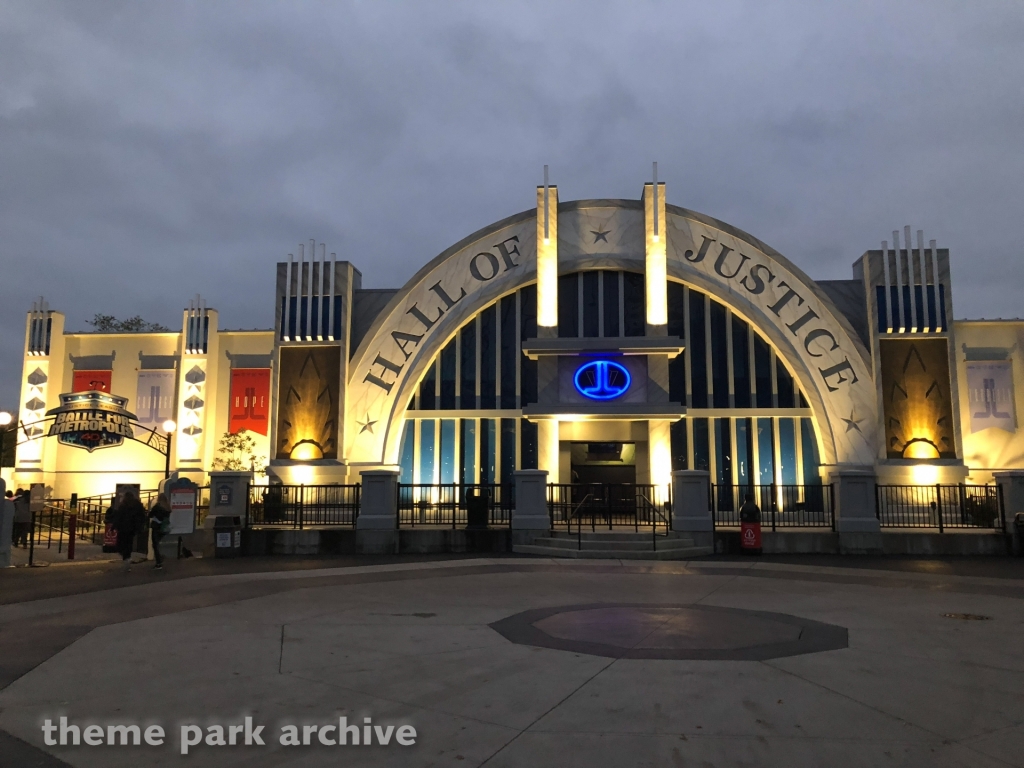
(832, 505)
(938, 504)
(1002, 512)
(711, 503)
(72, 521)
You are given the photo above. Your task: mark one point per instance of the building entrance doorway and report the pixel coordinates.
(603, 462)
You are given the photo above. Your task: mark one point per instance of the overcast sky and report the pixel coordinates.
(150, 151)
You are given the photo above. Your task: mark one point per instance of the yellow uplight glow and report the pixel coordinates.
(661, 452)
(306, 450)
(925, 474)
(303, 474)
(920, 448)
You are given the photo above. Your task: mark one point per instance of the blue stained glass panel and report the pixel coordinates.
(447, 451)
(426, 447)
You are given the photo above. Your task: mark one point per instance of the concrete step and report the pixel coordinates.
(682, 553)
(613, 535)
(617, 546)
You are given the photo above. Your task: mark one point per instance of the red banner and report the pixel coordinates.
(86, 381)
(250, 400)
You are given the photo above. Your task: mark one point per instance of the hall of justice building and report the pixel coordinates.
(630, 347)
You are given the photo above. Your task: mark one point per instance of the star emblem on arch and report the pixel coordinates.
(600, 235)
(852, 423)
(367, 425)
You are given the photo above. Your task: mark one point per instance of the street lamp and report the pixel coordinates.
(6, 419)
(169, 427)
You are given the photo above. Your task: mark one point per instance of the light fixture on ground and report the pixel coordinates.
(925, 474)
(303, 474)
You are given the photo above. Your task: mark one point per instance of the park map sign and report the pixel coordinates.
(91, 420)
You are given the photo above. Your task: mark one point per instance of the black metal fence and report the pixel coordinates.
(449, 504)
(939, 506)
(782, 506)
(86, 520)
(302, 506)
(608, 505)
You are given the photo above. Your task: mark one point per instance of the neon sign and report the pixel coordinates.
(602, 380)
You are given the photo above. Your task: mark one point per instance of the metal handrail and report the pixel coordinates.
(579, 525)
(654, 524)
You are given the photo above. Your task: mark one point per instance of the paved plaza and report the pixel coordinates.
(530, 662)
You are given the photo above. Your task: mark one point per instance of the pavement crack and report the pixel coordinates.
(960, 743)
(548, 711)
(716, 589)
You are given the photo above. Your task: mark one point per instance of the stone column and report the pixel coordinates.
(6, 526)
(691, 505)
(377, 524)
(547, 447)
(378, 501)
(1011, 486)
(530, 517)
(659, 446)
(853, 491)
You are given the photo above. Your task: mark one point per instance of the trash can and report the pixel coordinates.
(476, 511)
(750, 527)
(227, 535)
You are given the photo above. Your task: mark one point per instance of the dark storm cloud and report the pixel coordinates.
(152, 151)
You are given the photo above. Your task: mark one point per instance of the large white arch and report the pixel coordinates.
(816, 340)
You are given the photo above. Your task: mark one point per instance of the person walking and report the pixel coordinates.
(159, 521)
(129, 518)
(22, 518)
(14, 526)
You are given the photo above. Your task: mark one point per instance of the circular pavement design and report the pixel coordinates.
(653, 631)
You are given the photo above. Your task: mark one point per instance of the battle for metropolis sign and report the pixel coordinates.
(91, 420)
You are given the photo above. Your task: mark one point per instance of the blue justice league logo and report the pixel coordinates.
(602, 380)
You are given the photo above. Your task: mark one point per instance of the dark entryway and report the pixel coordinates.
(603, 462)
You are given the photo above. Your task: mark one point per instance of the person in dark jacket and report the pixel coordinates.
(129, 517)
(750, 512)
(22, 518)
(159, 517)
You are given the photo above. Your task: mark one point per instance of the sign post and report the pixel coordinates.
(183, 496)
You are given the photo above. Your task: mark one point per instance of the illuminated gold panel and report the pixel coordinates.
(656, 264)
(547, 259)
(307, 411)
(916, 399)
